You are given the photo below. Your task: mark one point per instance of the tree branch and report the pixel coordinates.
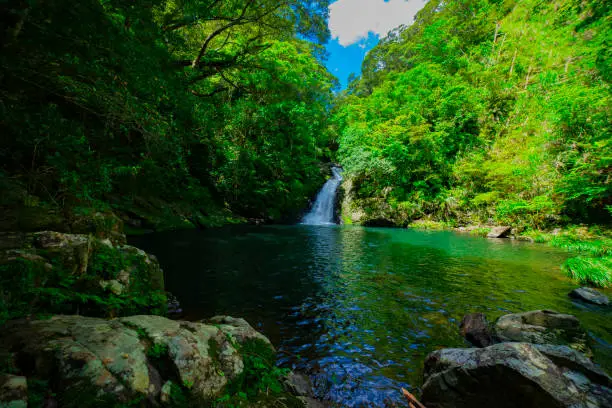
(213, 93)
(240, 20)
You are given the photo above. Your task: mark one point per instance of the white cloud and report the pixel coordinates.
(352, 20)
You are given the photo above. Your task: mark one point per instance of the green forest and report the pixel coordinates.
(486, 110)
(204, 112)
(123, 118)
(180, 112)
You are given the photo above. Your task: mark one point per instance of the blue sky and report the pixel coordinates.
(356, 27)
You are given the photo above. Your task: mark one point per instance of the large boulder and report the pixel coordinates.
(541, 327)
(590, 295)
(90, 361)
(510, 375)
(499, 232)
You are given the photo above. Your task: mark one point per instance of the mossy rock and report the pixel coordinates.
(52, 272)
(150, 360)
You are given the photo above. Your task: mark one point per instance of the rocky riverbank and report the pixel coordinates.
(534, 359)
(82, 325)
(76, 361)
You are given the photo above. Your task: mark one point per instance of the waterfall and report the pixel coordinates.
(322, 212)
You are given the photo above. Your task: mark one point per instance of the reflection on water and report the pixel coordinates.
(359, 308)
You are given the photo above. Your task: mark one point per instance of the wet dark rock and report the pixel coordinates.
(499, 232)
(590, 295)
(475, 329)
(510, 375)
(298, 384)
(541, 327)
(174, 306)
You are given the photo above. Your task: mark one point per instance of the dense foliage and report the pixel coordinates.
(194, 108)
(485, 111)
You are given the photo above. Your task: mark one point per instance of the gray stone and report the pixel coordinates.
(309, 402)
(238, 329)
(541, 327)
(510, 375)
(73, 250)
(565, 356)
(590, 295)
(499, 232)
(298, 385)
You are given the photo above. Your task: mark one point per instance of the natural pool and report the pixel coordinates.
(358, 309)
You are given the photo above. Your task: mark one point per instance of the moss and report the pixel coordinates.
(29, 286)
(260, 379)
(538, 236)
(346, 220)
(428, 225)
(82, 395)
(38, 391)
(480, 232)
(157, 351)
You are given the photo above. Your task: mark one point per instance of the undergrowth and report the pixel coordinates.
(590, 271)
(260, 380)
(593, 265)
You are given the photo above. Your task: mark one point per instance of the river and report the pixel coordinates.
(358, 309)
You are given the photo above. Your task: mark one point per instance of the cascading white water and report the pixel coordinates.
(322, 212)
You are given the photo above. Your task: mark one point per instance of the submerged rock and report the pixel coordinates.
(499, 232)
(300, 385)
(510, 375)
(122, 360)
(475, 329)
(541, 327)
(590, 295)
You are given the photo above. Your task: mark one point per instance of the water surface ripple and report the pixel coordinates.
(358, 309)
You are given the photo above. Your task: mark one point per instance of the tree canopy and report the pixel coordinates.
(486, 111)
(217, 105)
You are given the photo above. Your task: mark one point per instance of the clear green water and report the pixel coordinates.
(358, 309)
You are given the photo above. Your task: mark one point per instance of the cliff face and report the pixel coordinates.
(370, 211)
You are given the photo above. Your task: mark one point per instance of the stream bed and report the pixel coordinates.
(359, 309)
